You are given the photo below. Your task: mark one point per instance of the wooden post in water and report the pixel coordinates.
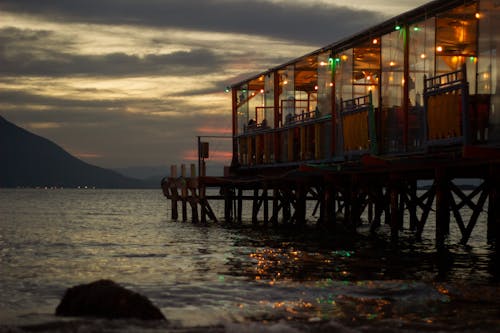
(394, 207)
(240, 206)
(412, 204)
(183, 193)
(255, 205)
(442, 206)
(493, 232)
(266, 204)
(173, 189)
(300, 206)
(228, 203)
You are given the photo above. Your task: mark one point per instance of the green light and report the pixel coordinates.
(337, 59)
(416, 29)
(398, 27)
(227, 89)
(330, 60)
(472, 59)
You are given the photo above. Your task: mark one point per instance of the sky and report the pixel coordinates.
(126, 83)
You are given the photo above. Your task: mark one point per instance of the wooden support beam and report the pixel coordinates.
(228, 203)
(493, 232)
(240, 206)
(394, 208)
(426, 207)
(255, 206)
(266, 205)
(442, 206)
(276, 206)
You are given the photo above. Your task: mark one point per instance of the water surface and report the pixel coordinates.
(233, 279)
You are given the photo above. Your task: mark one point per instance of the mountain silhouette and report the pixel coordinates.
(29, 160)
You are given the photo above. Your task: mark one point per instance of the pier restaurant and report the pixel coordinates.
(423, 81)
(358, 126)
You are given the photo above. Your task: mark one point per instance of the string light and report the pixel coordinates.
(439, 49)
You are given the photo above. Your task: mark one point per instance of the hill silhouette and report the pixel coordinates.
(29, 160)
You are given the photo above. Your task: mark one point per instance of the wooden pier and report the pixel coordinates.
(383, 190)
(378, 128)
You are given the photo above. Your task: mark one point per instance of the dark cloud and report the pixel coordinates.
(28, 52)
(316, 23)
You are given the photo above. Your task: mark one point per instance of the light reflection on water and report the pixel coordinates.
(208, 276)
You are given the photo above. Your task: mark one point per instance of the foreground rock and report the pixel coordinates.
(106, 299)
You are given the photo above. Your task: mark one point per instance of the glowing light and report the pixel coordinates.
(439, 49)
(375, 41)
(227, 89)
(285, 82)
(478, 16)
(315, 87)
(397, 27)
(416, 29)
(322, 63)
(331, 84)
(344, 57)
(423, 56)
(262, 91)
(392, 64)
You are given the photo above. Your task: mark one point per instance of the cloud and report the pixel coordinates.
(40, 58)
(312, 22)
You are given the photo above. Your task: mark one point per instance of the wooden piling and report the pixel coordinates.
(442, 206)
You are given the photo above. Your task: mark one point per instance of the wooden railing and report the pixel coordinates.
(446, 101)
(358, 126)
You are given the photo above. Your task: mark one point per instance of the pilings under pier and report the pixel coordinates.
(403, 192)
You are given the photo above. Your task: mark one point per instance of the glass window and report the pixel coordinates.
(268, 117)
(456, 41)
(421, 63)
(392, 113)
(287, 92)
(488, 67)
(306, 85)
(343, 76)
(366, 69)
(242, 108)
(324, 84)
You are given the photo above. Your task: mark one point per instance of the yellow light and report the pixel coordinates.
(392, 64)
(331, 84)
(285, 82)
(262, 91)
(478, 16)
(322, 63)
(368, 77)
(375, 41)
(423, 56)
(344, 57)
(439, 49)
(454, 59)
(315, 87)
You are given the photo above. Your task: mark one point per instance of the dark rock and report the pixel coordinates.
(106, 299)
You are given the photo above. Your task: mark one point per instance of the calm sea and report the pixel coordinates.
(233, 279)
